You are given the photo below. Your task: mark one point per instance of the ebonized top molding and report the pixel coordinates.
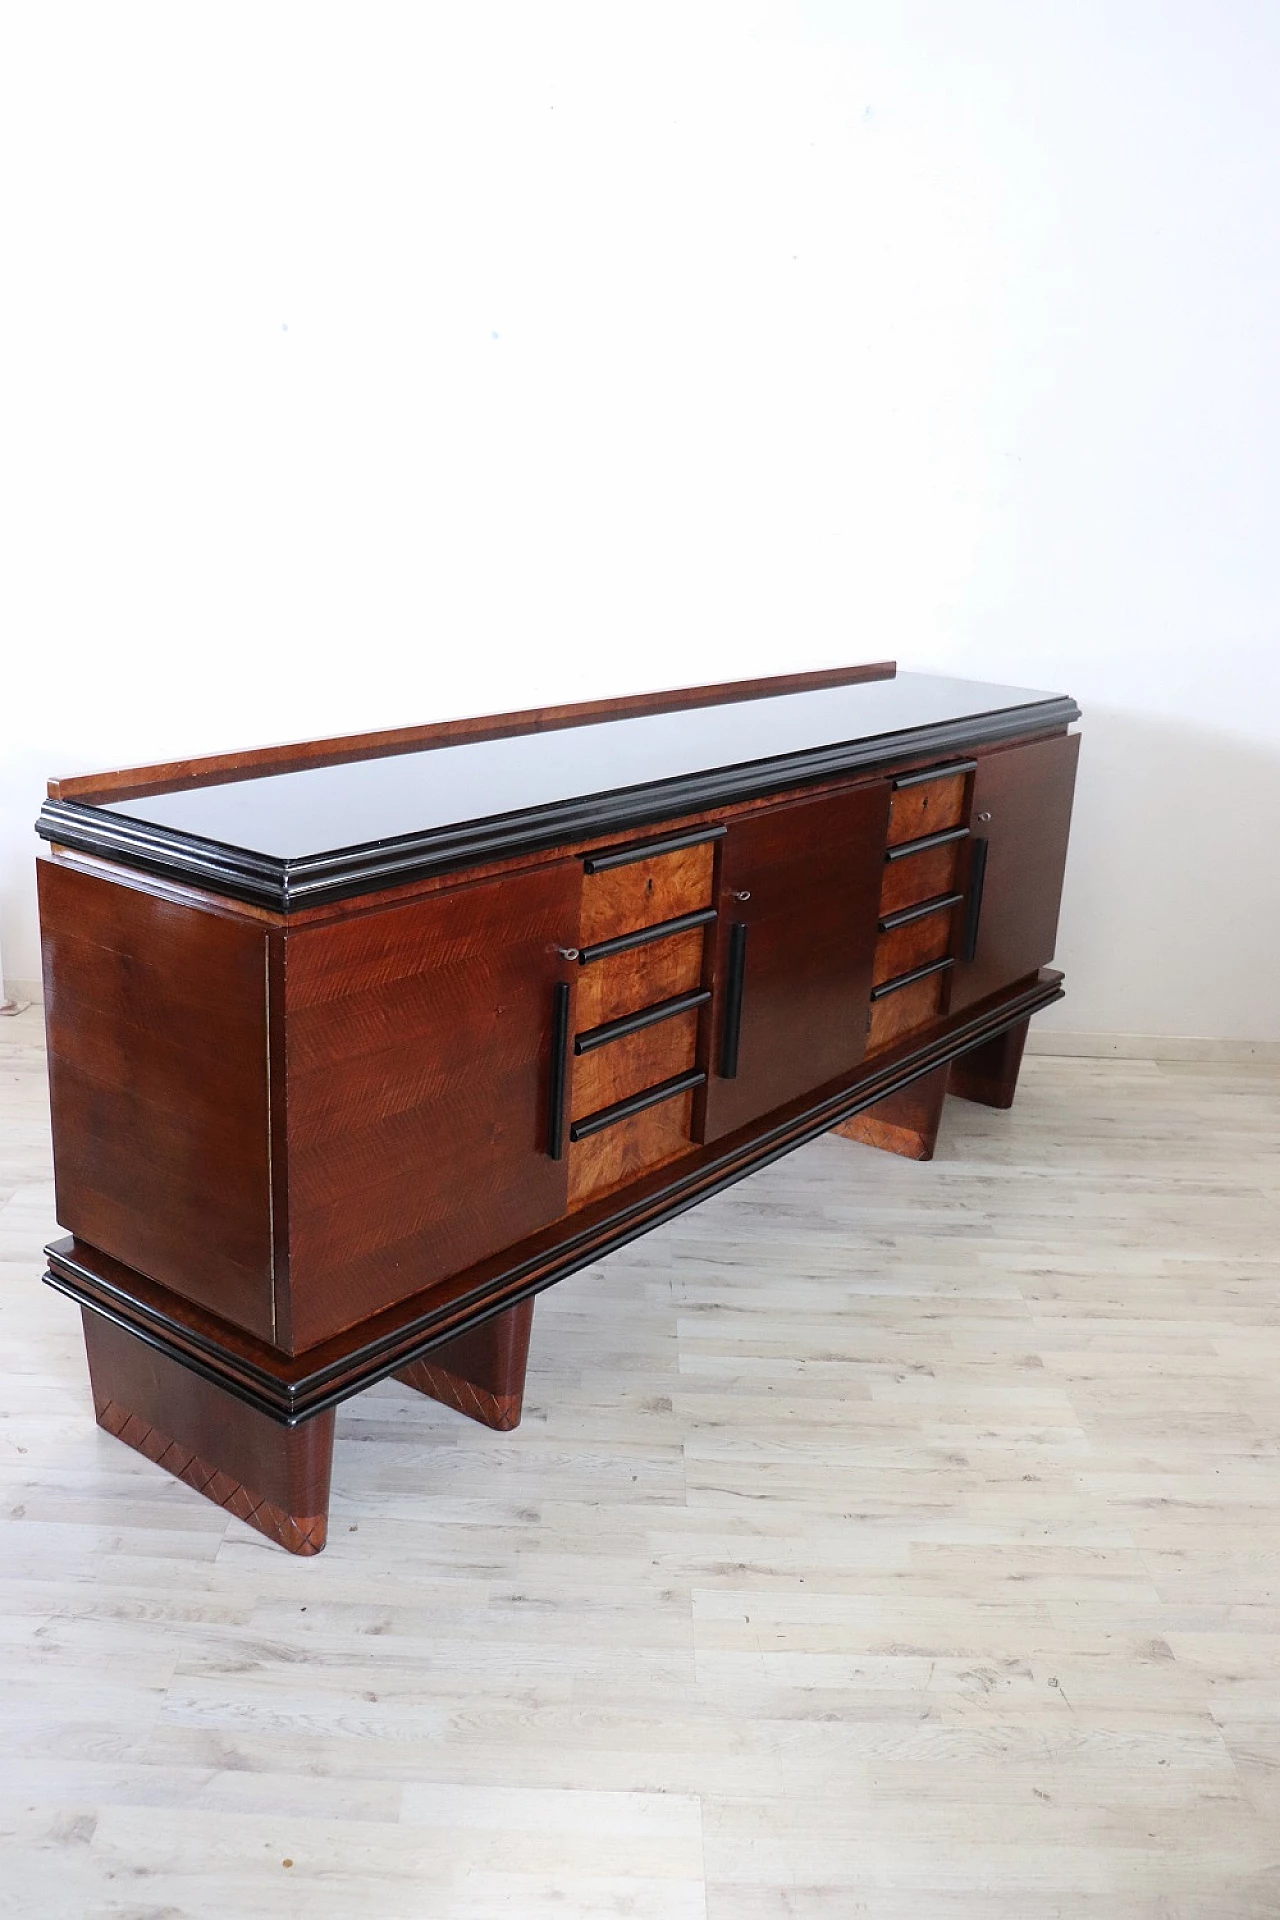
(325, 833)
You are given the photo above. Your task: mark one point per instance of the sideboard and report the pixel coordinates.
(356, 1045)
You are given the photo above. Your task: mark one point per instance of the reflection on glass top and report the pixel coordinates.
(287, 816)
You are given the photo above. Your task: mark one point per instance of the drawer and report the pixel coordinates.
(627, 1065)
(921, 874)
(629, 1148)
(927, 804)
(898, 1013)
(918, 941)
(626, 888)
(624, 982)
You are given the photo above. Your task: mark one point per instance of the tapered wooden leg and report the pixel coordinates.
(480, 1373)
(274, 1478)
(905, 1122)
(989, 1074)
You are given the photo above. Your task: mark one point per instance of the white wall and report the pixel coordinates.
(374, 363)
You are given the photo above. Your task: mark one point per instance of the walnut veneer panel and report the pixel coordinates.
(638, 1060)
(919, 876)
(928, 807)
(640, 977)
(1022, 809)
(621, 899)
(903, 949)
(157, 1022)
(803, 881)
(902, 1012)
(621, 1153)
(418, 1069)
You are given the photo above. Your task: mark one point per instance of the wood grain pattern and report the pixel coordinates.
(621, 899)
(419, 1050)
(905, 1011)
(927, 808)
(811, 874)
(212, 769)
(611, 1159)
(274, 1478)
(481, 1373)
(905, 948)
(294, 1386)
(638, 1060)
(989, 1074)
(157, 1026)
(919, 876)
(626, 982)
(906, 1123)
(1022, 808)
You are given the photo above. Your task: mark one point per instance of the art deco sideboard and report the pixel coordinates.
(356, 1046)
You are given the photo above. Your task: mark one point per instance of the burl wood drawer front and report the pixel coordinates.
(927, 806)
(920, 875)
(624, 982)
(629, 1148)
(637, 1060)
(904, 948)
(907, 1008)
(640, 892)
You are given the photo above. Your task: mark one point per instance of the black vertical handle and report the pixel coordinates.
(733, 1001)
(559, 1069)
(973, 911)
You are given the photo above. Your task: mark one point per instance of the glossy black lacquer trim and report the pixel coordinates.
(905, 915)
(909, 979)
(735, 981)
(607, 858)
(293, 1390)
(290, 885)
(636, 1022)
(559, 1069)
(643, 936)
(973, 913)
(635, 1103)
(928, 840)
(934, 773)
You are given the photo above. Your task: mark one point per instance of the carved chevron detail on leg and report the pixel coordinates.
(297, 1533)
(498, 1410)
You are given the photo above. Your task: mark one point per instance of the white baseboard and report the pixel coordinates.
(1151, 1046)
(23, 993)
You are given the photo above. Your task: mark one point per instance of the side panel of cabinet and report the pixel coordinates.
(419, 1042)
(811, 872)
(157, 1014)
(1021, 814)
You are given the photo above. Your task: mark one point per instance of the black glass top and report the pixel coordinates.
(289, 816)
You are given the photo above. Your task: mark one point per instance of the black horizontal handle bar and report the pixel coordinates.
(930, 840)
(909, 979)
(623, 1109)
(934, 773)
(641, 938)
(905, 915)
(609, 857)
(636, 1022)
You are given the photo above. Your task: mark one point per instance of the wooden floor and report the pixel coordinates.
(883, 1539)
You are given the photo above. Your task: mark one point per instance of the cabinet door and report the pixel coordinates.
(421, 1045)
(798, 900)
(1020, 820)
